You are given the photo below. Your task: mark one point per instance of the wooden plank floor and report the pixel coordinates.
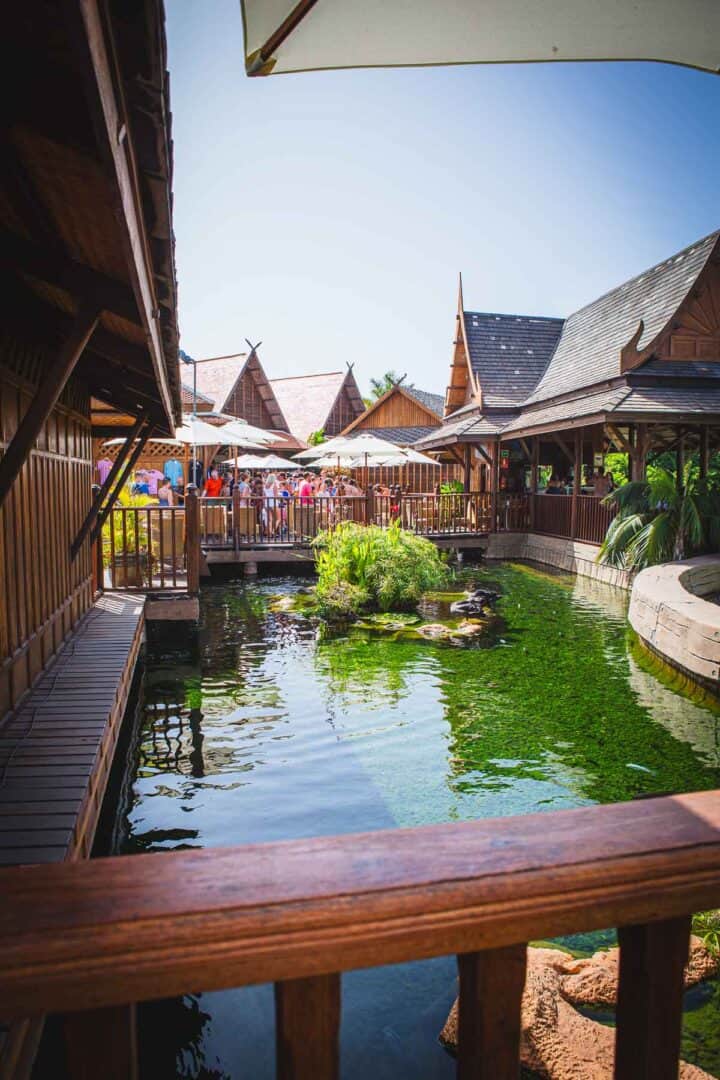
(57, 749)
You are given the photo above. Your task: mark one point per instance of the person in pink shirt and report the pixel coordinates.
(153, 479)
(306, 491)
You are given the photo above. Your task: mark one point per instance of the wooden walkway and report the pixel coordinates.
(56, 750)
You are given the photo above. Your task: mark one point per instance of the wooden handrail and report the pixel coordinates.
(83, 935)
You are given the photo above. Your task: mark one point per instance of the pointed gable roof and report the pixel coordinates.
(218, 377)
(307, 400)
(508, 354)
(432, 404)
(593, 338)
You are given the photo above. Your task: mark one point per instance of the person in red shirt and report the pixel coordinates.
(213, 485)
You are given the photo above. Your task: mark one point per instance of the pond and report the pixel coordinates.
(265, 731)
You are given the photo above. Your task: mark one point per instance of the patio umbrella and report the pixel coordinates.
(255, 461)
(240, 433)
(311, 453)
(283, 35)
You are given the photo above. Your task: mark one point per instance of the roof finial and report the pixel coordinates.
(253, 348)
(461, 302)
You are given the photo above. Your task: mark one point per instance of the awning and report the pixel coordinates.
(283, 36)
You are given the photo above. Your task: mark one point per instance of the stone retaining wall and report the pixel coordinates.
(668, 612)
(572, 555)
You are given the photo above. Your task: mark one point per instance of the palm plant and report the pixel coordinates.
(658, 521)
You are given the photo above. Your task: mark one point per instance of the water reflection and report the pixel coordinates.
(264, 732)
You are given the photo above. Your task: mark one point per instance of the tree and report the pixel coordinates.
(386, 382)
(659, 521)
(316, 437)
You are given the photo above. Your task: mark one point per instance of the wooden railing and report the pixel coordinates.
(144, 548)
(237, 523)
(552, 514)
(593, 519)
(89, 939)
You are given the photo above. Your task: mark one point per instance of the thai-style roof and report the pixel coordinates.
(509, 353)
(308, 400)
(469, 424)
(401, 436)
(217, 376)
(589, 350)
(433, 402)
(221, 378)
(85, 194)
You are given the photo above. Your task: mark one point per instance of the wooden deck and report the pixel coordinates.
(56, 750)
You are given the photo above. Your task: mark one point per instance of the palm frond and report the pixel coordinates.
(618, 539)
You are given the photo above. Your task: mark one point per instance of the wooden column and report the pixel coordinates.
(192, 540)
(307, 1028)
(491, 988)
(235, 517)
(534, 475)
(494, 484)
(48, 392)
(649, 1001)
(704, 451)
(100, 492)
(467, 457)
(577, 480)
(102, 1042)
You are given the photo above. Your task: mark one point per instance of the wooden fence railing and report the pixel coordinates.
(144, 548)
(90, 939)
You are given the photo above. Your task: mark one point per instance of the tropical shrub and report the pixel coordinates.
(364, 568)
(127, 539)
(658, 522)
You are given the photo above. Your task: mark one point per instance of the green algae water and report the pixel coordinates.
(267, 730)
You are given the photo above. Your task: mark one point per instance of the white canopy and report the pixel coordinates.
(240, 433)
(196, 432)
(284, 35)
(402, 456)
(256, 461)
(311, 453)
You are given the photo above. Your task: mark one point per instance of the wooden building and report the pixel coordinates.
(402, 415)
(326, 402)
(636, 371)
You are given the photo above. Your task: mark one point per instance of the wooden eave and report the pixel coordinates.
(85, 190)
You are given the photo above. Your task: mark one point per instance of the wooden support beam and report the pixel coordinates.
(484, 454)
(680, 455)
(103, 514)
(46, 397)
(649, 1001)
(494, 484)
(467, 467)
(109, 481)
(622, 444)
(491, 989)
(534, 477)
(526, 448)
(307, 1026)
(192, 534)
(568, 453)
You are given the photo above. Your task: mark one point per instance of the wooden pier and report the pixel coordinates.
(56, 750)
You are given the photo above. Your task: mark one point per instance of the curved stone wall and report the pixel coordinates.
(669, 612)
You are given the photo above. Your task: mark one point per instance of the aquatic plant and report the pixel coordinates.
(657, 521)
(365, 568)
(706, 924)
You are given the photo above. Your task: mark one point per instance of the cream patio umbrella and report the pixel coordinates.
(240, 433)
(287, 35)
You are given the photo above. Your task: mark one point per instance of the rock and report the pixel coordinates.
(476, 603)
(593, 981)
(433, 630)
(557, 1042)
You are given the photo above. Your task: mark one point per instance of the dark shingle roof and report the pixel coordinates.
(509, 353)
(434, 402)
(589, 350)
(473, 426)
(401, 436)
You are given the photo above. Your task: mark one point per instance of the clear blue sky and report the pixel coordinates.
(328, 214)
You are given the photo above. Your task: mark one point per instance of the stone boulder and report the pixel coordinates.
(557, 1042)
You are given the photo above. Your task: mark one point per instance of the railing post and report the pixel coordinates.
(649, 1000)
(369, 507)
(489, 1013)
(192, 539)
(577, 477)
(534, 474)
(494, 484)
(102, 1042)
(307, 1028)
(236, 517)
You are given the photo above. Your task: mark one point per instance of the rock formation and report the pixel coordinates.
(557, 1042)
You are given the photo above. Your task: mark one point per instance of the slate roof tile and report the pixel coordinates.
(509, 353)
(589, 350)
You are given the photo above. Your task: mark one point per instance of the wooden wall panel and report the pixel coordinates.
(246, 401)
(343, 412)
(42, 594)
(399, 411)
